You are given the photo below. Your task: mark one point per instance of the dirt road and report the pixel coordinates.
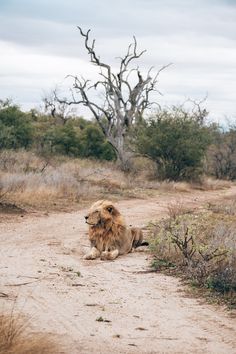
(106, 307)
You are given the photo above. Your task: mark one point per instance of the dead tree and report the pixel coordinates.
(60, 111)
(126, 95)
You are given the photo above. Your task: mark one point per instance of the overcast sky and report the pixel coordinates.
(40, 45)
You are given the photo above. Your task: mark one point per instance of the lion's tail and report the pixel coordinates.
(144, 243)
(139, 244)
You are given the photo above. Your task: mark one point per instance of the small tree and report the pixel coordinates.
(60, 111)
(177, 141)
(15, 127)
(126, 95)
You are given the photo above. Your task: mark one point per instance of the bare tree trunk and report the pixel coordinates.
(122, 153)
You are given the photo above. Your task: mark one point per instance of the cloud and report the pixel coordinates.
(52, 25)
(40, 45)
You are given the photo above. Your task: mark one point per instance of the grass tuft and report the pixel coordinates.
(15, 339)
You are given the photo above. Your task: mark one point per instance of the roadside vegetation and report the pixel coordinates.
(199, 246)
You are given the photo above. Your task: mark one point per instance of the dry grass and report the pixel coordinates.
(62, 183)
(211, 184)
(55, 184)
(166, 186)
(14, 338)
(227, 207)
(200, 246)
(176, 209)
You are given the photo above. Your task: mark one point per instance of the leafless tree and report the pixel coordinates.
(60, 111)
(125, 95)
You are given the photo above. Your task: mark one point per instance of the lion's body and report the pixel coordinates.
(108, 234)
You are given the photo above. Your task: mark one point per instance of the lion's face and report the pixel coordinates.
(101, 212)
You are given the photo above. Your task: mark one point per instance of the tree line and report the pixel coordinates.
(179, 141)
(47, 134)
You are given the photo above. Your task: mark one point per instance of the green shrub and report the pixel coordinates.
(70, 139)
(94, 144)
(47, 135)
(16, 130)
(177, 141)
(63, 139)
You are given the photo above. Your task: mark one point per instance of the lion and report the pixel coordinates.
(108, 234)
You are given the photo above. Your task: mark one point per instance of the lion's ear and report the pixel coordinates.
(110, 209)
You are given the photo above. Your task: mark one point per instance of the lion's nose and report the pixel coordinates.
(86, 217)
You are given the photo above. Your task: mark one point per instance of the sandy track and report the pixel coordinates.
(142, 312)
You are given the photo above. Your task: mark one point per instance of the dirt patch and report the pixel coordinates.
(139, 311)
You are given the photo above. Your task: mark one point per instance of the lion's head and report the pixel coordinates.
(102, 212)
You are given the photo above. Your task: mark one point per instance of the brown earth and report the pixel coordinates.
(106, 307)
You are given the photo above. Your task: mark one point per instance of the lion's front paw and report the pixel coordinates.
(104, 256)
(93, 254)
(87, 256)
(90, 256)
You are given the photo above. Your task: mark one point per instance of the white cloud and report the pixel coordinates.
(26, 76)
(40, 45)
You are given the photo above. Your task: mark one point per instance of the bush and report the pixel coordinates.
(202, 246)
(69, 139)
(94, 144)
(177, 141)
(76, 137)
(47, 135)
(15, 128)
(222, 155)
(63, 139)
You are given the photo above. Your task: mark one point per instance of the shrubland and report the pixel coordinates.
(59, 162)
(201, 246)
(47, 135)
(64, 183)
(180, 142)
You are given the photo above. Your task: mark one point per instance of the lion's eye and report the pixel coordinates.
(109, 209)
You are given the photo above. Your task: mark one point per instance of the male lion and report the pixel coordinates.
(108, 234)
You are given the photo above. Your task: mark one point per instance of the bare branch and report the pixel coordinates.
(91, 51)
(126, 93)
